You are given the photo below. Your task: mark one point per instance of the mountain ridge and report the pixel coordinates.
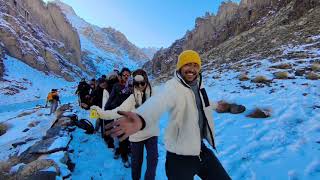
(232, 22)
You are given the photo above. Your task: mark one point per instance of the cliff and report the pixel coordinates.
(233, 22)
(39, 35)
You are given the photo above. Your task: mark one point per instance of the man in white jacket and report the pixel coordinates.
(190, 123)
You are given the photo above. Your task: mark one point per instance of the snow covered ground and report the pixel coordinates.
(19, 110)
(33, 85)
(283, 146)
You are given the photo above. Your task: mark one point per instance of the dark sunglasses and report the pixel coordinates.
(142, 83)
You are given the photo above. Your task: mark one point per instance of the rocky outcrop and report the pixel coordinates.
(121, 40)
(150, 51)
(238, 31)
(41, 36)
(47, 158)
(56, 25)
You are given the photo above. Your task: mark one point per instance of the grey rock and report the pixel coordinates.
(237, 109)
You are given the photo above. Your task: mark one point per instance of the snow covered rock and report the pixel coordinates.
(237, 109)
(259, 113)
(36, 166)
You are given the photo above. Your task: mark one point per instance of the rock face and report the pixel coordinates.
(238, 31)
(46, 158)
(120, 39)
(40, 35)
(150, 51)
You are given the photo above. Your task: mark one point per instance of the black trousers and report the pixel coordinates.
(108, 139)
(206, 166)
(124, 147)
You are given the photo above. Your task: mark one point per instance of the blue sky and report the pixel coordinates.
(146, 23)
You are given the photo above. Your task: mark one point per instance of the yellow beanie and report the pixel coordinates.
(188, 56)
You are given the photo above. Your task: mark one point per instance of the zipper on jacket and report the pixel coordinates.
(194, 98)
(177, 134)
(206, 119)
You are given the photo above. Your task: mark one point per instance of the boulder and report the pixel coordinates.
(237, 109)
(223, 107)
(243, 77)
(299, 72)
(313, 76)
(63, 122)
(35, 166)
(44, 174)
(259, 113)
(33, 124)
(3, 128)
(261, 79)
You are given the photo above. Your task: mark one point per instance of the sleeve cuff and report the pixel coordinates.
(143, 122)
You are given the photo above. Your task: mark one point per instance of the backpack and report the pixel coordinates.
(52, 95)
(82, 123)
(86, 125)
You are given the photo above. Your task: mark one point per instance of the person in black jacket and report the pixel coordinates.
(97, 93)
(83, 90)
(120, 92)
(99, 97)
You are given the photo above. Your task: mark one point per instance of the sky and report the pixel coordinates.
(146, 23)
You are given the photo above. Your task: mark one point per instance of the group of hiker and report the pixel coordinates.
(129, 110)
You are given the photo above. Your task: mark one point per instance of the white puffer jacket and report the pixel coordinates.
(182, 135)
(105, 98)
(130, 105)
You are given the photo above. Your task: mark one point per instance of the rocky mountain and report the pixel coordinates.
(39, 35)
(150, 51)
(250, 30)
(107, 48)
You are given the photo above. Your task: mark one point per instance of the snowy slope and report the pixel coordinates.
(33, 85)
(283, 146)
(17, 126)
(100, 46)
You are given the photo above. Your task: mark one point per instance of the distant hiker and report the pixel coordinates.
(92, 84)
(120, 92)
(146, 138)
(191, 121)
(103, 77)
(53, 98)
(82, 91)
(100, 97)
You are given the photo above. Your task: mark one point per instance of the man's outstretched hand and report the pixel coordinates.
(124, 127)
